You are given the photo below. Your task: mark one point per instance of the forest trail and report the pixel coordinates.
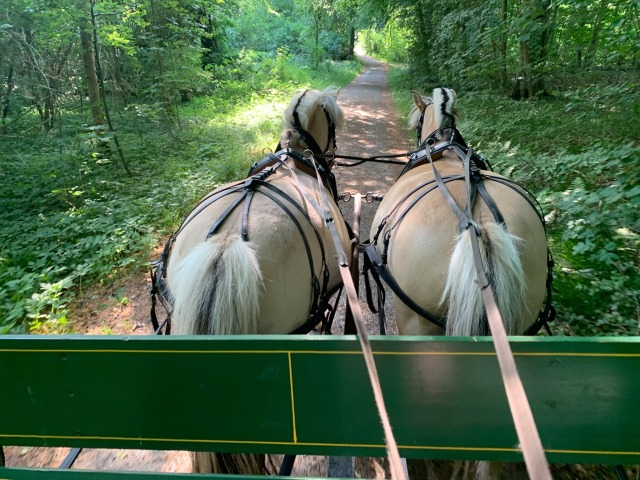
(371, 127)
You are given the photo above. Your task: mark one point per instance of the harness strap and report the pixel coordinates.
(548, 314)
(430, 147)
(532, 449)
(230, 208)
(247, 190)
(317, 293)
(432, 186)
(379, 272)
(475, 181)
(244, 228)
(301, 162)
(488, 199)
(523, 420)
(463, 217)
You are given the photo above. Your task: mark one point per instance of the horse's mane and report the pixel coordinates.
(312, 99)
(444, 102)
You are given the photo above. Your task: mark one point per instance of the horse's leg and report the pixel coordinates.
(230, 463)
(501, 471)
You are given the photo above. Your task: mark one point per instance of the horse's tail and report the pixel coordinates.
(499, 250)
(217, 289)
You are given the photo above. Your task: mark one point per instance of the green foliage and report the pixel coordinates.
(391, 43)
(310, 30)
(195, 92)
(596, 229)
(522, 49)
(588, 182)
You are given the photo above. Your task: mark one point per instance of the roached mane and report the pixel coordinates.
(438, 101)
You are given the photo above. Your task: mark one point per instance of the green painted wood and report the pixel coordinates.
(44, 474)
(311, 395)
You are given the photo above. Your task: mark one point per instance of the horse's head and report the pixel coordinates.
(432, 116)
(311, 121)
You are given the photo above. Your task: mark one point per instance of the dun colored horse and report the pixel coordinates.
(254, 257)
(423, 247)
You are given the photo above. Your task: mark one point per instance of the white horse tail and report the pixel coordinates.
(499, 250)
(217, 288)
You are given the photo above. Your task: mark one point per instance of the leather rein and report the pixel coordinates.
(530, 442)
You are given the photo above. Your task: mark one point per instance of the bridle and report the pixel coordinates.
(437, 142)
(306, 136)
(454, 134)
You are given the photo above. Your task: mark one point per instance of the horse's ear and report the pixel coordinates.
(417, 99)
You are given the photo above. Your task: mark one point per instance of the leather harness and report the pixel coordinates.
(428, 152)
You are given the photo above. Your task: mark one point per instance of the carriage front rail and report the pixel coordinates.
(310, 395)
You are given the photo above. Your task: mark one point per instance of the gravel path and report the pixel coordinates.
(372, 127)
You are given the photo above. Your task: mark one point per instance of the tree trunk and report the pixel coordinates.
(90, 73)
(593, 43)
(502, 74)
(524, 89)
(6, 101)
(533, 49)
(101, 91)
(7, 96)
(316, 35)
(352, 41)
(422, 52)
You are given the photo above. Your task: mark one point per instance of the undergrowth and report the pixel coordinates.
(578, 152)
(72, 216)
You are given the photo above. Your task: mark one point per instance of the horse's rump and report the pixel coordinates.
(425, 233)
(284, 241)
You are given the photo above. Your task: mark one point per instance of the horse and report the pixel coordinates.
(421, 237)
(255, 256)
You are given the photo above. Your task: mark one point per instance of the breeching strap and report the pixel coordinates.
(528, 435)
(397, 470)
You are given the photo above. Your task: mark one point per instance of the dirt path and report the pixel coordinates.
(373, 127)
(122, 308)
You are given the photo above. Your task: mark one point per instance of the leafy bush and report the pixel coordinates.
(391, 43)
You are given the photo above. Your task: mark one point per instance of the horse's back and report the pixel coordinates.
(424, 235)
